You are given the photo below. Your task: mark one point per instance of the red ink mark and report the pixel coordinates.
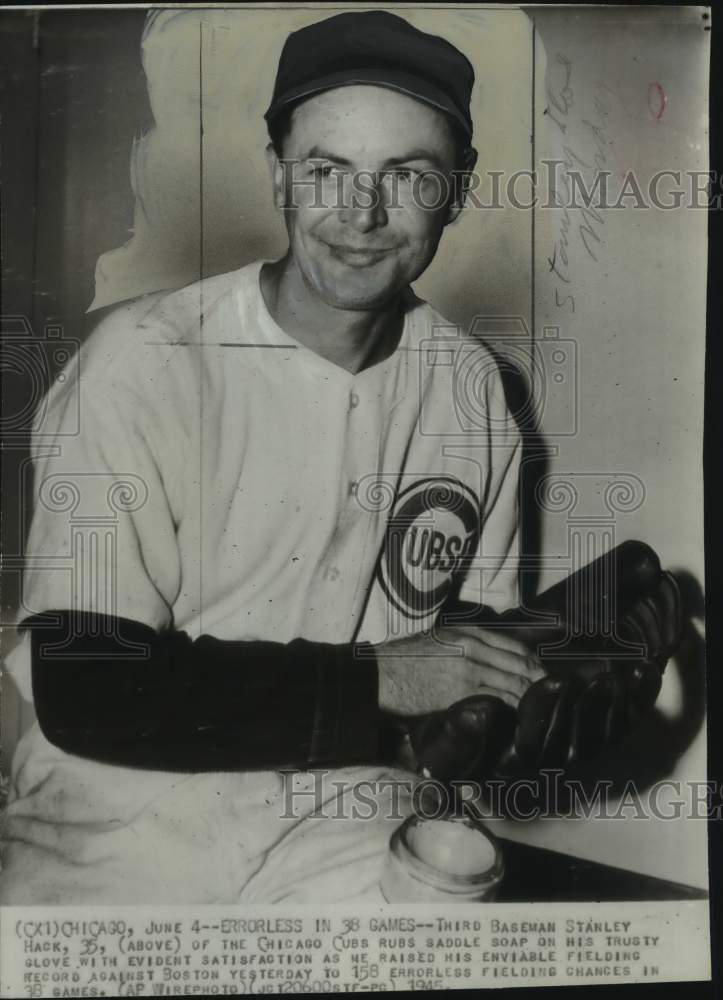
(657, 101)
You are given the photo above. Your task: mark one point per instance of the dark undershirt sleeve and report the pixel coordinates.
(115, 690)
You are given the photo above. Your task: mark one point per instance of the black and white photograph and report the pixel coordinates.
(352, 551)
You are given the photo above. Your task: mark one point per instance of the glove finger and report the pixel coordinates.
(491, 722)
(618, 719)
(647, 614)
(671, 611)
(556, 749)
(590, 720)
(643, 683)
(637, 569)
(508, 765)
(544, 718)
(533, 717)
(656, 619)
(442, 750)
(481, 713)
(630, 631)
(453, 743)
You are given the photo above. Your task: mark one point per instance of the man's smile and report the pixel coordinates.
(358, 256)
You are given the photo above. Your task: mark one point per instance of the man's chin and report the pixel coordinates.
(360, 292)
(361, 303)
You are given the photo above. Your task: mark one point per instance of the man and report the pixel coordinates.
(267, 506)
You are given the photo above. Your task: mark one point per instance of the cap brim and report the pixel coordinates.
(404, 83)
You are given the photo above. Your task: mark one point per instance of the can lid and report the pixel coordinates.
(455, 853)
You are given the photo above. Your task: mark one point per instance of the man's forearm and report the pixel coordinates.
(116, 691)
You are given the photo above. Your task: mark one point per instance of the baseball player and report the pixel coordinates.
(236, 566)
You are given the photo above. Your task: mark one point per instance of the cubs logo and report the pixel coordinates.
(431, 535)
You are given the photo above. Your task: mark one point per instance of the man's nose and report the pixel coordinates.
(366, 207)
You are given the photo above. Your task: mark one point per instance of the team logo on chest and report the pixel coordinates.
(431, 535)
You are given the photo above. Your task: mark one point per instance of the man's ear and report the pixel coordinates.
(461, 179)
(277, 176)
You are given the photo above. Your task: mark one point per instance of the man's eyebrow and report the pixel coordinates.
(317, 153)
(414, 155)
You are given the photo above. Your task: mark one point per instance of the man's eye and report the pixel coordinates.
(323, 169)
(403, 173)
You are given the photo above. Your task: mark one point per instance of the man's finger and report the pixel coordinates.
(489, 680)
(521, 665)
(496, 637)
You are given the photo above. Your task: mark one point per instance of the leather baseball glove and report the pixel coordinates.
(604, 635)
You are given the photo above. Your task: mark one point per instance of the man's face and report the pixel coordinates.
(362, 164)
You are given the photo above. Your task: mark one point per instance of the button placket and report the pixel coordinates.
(361, 457)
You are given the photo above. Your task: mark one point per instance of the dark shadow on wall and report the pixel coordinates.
(533, 467)
(73, 99)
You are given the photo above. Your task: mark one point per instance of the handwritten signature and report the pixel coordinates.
(569, 180)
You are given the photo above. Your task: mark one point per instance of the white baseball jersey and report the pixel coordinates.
(198, 468)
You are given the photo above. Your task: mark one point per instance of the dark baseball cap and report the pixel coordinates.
(373, 47)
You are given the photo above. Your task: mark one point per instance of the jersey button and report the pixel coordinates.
(353, 401)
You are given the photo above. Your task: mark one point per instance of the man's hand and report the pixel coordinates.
(430, 671)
